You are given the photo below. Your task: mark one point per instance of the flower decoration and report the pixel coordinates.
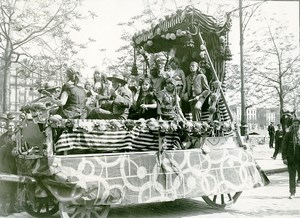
(69, 125)
(55, 121)
(100, 126)
(173, 126)
(153, 124)
(164, 126)
(189, 126)
(115, 125)
(129, 125)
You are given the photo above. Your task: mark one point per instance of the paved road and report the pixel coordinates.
(270, 201)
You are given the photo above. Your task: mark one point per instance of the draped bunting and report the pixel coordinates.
(114, 141)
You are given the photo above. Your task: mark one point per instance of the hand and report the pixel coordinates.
(144, 106)
(285, 161)
(193, 99)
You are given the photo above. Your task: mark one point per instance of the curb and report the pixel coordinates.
(274, 171)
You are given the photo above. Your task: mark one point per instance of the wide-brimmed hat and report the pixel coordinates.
(3, 118)
(296, 119)
(10, 116)
(117, 77)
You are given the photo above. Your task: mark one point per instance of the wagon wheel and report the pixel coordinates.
(223, 200)
(40, 206)
(84, 211)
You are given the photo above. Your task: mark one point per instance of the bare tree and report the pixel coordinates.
(34, 34)
(272, 64)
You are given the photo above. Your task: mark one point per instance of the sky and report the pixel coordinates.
(106, 32)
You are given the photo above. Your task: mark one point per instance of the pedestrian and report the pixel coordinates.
(278, 141)
(271, 130)
(291, 154)
(7, 136)
(3, 124)
(7, 165)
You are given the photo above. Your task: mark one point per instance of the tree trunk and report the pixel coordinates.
(6, 87)
(6, 73)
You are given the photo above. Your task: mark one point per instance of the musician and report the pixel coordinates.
(119, 102)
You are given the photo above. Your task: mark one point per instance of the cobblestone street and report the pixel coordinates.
(269, 201)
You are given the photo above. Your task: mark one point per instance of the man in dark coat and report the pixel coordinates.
(278, 141)
(271, 130)
(291, 154)
(7, 165)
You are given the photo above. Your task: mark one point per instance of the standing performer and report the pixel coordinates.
(197, 90)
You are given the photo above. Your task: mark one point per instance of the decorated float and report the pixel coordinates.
(81, 167)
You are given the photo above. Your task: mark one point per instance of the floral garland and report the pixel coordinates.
(193, 128)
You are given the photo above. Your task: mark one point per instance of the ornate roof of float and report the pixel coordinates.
(179, 24)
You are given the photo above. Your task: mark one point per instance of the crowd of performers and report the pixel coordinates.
(111, 97)
(157, 96)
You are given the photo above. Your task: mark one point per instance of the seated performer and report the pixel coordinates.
(146, 105)
(72, 100)
(168, 107)
(118, 104)
(197, 90)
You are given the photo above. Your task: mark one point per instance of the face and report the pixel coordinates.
(56, 92)
(193, 67)
(97, 76)
(146, 86)
(173, 65)
(11, 127)
(296, 126)
(170, 86)
(3, 124)
(115, 84)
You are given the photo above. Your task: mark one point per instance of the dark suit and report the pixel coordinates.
(271, 130)
(291, 153)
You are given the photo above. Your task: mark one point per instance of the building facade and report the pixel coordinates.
(257, 118)
(23, 89)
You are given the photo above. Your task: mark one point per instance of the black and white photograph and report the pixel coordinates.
(149, 108)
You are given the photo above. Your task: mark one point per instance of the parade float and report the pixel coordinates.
(81, 167)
